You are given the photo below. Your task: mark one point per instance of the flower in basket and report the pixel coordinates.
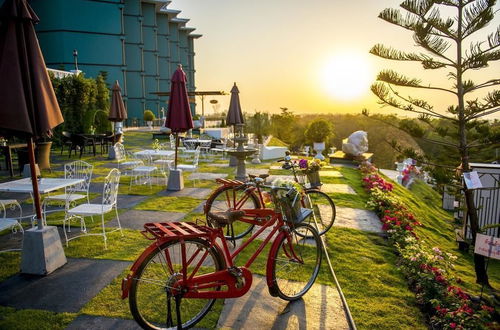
(287, 200)
(289, 184)
(310, 166)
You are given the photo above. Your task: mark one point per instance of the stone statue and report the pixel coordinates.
(356, 144)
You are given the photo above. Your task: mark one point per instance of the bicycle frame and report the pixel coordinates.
(226, 283)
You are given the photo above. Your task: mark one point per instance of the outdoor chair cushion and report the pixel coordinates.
(63, 197)
(90, 209)
(130, 163)
(6, 223)
(187, 167)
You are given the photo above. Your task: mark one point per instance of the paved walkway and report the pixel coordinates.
(364, 220)
(319, 308)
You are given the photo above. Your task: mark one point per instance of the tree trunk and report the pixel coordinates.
(479, 262)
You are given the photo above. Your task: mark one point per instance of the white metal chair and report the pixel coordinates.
(10, 203)
(191, 167)
(123, 158)
(74, 170)
(189, 148)
(172, 143)
(10, 223)
(205, 148)
(109, 201)
(140, 172)
(220, 148)
(164, 164)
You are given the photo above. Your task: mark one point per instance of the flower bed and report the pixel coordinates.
(427, 269)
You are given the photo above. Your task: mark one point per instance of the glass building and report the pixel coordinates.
(137, 42)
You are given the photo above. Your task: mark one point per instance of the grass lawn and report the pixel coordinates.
(31, 319)
(365, 263)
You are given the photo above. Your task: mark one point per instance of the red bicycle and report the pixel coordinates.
(176, 280)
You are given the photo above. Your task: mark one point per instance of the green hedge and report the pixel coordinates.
(84, 102)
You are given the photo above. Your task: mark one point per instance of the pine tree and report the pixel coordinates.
(446, 40)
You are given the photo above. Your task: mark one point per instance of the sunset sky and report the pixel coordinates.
(309, 56)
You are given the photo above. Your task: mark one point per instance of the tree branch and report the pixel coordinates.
(479, 115)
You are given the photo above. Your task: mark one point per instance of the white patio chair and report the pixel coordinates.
(12, 204)
(172, 143)
(140, 172)
(10, 223)
(109, 199)
(205, 148)
(191, 167)
(189, 148)
(74, 170)
(164, 164)
(220, 148)
(124, 159)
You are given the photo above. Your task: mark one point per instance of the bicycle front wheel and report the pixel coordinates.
(323, 208)
(152, 298)
(234, 198)
(296, 262)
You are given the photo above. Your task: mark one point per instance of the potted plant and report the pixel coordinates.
(311, 169)
(317, 131)
(149, 116)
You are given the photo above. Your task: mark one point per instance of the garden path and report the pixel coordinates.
(364, 220)
(320, 308)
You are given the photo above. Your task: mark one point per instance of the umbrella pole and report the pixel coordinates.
(176, 147)
(34, 181)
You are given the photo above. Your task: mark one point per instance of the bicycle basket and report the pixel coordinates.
(301, 178)
(290, 206)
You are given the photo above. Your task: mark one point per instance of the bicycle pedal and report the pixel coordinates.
(237, 273)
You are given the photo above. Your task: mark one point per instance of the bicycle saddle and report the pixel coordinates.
(226, 217)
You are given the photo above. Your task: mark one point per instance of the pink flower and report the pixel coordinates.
(453, 325)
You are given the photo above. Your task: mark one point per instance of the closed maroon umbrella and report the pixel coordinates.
(117, 111)
(234, 114)
(28, 105)
(179, 117)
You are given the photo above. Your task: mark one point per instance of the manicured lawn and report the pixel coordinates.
(31, 319)
(172, 204)
(365, 263)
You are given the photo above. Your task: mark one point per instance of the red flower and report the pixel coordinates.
(487, 308)
(453, 325)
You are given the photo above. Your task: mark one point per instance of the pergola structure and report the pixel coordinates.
(197, 93)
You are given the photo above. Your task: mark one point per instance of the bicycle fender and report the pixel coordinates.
(271, 284)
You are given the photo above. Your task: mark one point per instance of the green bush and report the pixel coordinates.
(149, 115)
(318, 130)
(79, 98)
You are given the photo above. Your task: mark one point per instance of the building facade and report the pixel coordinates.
(137, 42)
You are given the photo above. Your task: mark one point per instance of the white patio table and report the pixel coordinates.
(45, 186)
(154, 153)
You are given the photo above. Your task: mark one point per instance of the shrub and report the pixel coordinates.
(428, 270)
(318, 130)
(149, 115)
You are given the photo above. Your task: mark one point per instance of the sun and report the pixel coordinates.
(347, 76)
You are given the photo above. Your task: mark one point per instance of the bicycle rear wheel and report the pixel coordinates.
(296, 262)
(152, 300)
(323, 207)
(234, 198)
